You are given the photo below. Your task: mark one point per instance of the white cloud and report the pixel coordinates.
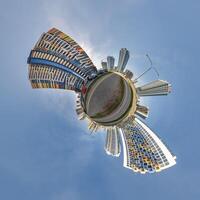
(63, 20)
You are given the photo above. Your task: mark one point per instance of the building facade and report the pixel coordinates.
(57, 61)
(106, 98)
(123, 59)
(154, 88)
(112, 144)
(110, 62)
(143, 150)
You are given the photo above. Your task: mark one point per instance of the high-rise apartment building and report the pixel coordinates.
(57, 61)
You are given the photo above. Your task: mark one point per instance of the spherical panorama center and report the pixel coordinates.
(109, 99)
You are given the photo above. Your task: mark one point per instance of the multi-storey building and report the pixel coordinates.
(112, 145)
(104, 65)
(107, 98)
(57, 61)
(110, 62)
(143, 150)
(158, 87)
(142, 111)
(123, 59)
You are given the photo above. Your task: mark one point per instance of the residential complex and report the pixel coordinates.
(57, 61)
(107, 98)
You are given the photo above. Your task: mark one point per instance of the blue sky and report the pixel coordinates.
(45, 152)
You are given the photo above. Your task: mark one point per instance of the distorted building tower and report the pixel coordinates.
(142, 111)
(123, 59)
(110, 62)
(158, 87)
(107, 98)
(79, 109)
(112, 145)
(104, 65)
(57, 61)
(143, 150)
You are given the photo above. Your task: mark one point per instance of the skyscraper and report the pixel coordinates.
(57, 61)
(143, 150)
(112, 145)
(104, 64)
(158, 87)
(123, 59)
(107, 98)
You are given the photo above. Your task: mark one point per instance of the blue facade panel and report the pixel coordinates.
(53, 64)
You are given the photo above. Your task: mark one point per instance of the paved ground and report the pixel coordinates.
(105, 95)
(108, 98)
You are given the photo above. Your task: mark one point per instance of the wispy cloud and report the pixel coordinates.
(62, 16)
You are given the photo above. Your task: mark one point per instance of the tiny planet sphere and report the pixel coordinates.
(108, 99)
